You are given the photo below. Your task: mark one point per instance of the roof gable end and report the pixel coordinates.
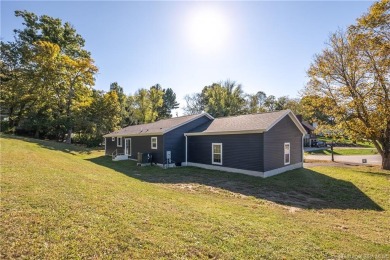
(245, 124)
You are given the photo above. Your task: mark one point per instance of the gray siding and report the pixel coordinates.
(174, 140)
(243, 151)
(284, 131)
(140, 144)
(111, 146)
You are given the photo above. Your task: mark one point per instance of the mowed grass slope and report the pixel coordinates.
(60, 201)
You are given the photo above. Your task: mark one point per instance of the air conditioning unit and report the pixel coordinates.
(144, 159)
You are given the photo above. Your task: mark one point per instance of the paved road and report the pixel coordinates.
(371, 159)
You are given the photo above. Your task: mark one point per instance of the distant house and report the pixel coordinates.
(310, 138)
(256, 144)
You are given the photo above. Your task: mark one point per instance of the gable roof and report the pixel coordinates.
(252, 123)
(156, 128)
(308, 126)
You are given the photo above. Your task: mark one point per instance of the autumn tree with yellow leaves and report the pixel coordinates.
(350, 80)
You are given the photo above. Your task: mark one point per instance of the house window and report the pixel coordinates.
(113, 139)
(154, 142)
(119, 142)
(216, 153)
(286, 153)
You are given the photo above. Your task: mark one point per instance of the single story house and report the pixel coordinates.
(310, 137)
(257, 144)
(155, 138)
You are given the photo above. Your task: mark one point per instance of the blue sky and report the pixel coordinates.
(263, 45)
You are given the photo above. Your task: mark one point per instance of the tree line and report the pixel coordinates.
(47, 80)
(227, 98)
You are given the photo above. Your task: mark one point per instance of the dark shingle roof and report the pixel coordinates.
(244, 123)
(308, 126)
(157, 128)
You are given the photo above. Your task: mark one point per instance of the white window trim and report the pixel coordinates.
(113, 139)
(151, 142)
(289, 153)
(117, 141)
(212, 153)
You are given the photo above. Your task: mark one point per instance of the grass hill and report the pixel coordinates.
(63, 201)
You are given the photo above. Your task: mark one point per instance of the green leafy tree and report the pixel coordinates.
(46, 75)
(142, 106)
(224, 99)
(156, 97)
(270, 103)
(16, 89)
(101, 117)
(49, 29)
(123, 114)
(169, 103)
(77, 77)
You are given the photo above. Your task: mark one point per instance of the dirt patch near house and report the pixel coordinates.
(293, 201)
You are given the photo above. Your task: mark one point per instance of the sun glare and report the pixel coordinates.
(207, 30)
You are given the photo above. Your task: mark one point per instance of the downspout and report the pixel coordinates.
(303, 149)
(105, 145)
(186, 164)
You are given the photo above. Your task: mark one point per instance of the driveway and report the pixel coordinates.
(371, 159)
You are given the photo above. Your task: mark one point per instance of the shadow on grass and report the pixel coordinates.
(302, 188)
(53, 145)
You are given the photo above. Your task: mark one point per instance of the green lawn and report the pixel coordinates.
(347, 142)
(60, 201)
(346, 151)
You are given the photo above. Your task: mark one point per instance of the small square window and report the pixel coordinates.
(113, 139)
(119, 141)
(154, 143)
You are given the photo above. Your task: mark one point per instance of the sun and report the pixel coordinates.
(207, 30)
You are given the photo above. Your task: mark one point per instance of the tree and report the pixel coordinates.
(224, 99)
(270, 103)
(352, 76)
(156, 97)
(77, 78)
(115, 87)
(317, 109)
(46, 75)
(255, 103)
(194, 104)
(142, 106)
(216, 100)
(101, 117)
(252, 104)
(169, 103)
(15, 92)
(49, 29)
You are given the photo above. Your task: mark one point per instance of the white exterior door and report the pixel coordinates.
(128, 146)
